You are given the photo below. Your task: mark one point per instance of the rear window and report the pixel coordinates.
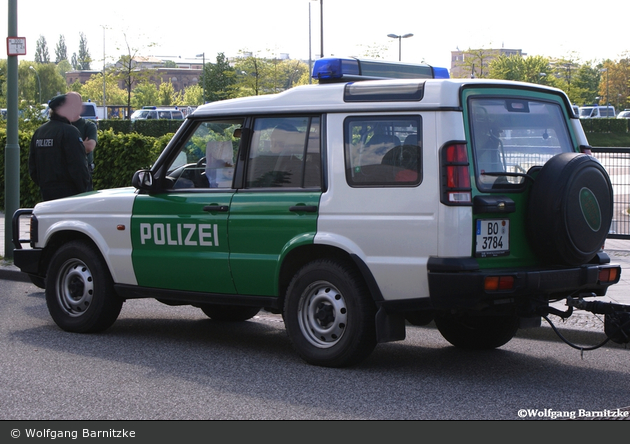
(88, 111)
(510, 136)
(383, 151)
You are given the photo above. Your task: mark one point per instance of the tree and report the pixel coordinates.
(565, 70)
(93, 90)
(63, 67)
(167, 95)
(532, 69)
(219, 79)
(145, 94)
(83, 60)
(476, 62)
(30, 79)
(128, 73)
(41, 51)
(614, 82)
(193, 95)
(251, 72)
(585, 84)
(61, 51)
(374, 51)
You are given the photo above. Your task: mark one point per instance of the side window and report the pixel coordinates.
(383, 150)
(285, 152)
(207, 158)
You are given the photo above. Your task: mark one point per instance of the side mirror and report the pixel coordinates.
(142, 180)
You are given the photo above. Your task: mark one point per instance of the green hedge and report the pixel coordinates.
(613, 125)
(153, 128)
(116, 157)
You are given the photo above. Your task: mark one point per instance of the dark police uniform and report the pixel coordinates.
(88, 130)
(57, 161)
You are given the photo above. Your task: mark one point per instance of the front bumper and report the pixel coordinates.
(458, 283)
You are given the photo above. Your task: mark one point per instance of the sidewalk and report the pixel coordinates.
(617, 249)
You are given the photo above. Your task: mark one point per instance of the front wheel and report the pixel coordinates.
(477, 332)
(80, 292)
(329, 315)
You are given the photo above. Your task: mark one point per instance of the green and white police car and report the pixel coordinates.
(353, 208)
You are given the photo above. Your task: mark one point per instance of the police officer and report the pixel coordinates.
(89, 135)
(57, 159)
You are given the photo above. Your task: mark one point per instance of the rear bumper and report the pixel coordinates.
(458, 283)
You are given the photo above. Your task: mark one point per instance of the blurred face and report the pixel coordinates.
(75, 104)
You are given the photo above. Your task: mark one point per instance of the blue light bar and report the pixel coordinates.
(334, 69)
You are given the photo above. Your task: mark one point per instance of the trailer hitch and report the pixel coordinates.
(616, 317)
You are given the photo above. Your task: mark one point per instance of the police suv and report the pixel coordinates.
(354, 208)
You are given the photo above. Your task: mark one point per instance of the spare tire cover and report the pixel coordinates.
(570, 209)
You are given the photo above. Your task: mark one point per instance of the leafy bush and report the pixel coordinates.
(605, 125)
(153, 128)
(116, 157)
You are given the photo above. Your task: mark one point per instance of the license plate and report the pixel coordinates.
(493, 237)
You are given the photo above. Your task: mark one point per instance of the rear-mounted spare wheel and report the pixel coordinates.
(570, 209)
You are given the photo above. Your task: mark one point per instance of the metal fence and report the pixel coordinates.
(617, 164)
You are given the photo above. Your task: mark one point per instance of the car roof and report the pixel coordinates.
(436, 93)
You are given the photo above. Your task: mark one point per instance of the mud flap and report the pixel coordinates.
(389, 326)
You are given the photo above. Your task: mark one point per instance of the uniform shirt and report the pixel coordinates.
(57, 160)
(88, 130)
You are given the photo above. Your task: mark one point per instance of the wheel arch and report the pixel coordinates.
(62, 237)
(300, 256)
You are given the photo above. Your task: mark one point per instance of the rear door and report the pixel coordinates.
(276, 208)
(383, 198)
(511, 134)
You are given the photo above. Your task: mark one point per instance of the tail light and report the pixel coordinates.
(456, 188)
(609, 275)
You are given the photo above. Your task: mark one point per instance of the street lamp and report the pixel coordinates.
(39, 83)
(203, 74)
(321, 21)
(399, 37)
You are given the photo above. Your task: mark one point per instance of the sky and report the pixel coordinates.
(185, 28)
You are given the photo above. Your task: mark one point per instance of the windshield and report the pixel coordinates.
(586, 111)
(510, 136)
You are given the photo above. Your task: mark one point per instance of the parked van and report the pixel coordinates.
(89, 111)
(153, 112)
(596, 111)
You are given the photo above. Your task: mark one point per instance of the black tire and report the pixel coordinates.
(570, 210)
(79, 290)
(477, 332)
(229, 313)
(329, 315)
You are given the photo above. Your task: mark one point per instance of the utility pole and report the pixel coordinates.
(12, 149)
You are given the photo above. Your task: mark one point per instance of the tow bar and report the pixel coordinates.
(616, 320)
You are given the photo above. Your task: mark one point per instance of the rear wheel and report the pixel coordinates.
(79, 289)
(477, 332)
(329, 315)
(229, 313)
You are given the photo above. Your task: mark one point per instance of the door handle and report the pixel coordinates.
(216, 208)
(303, 208)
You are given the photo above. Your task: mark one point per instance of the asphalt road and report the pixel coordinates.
(167, 363)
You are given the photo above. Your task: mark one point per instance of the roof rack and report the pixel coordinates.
(336, 70)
